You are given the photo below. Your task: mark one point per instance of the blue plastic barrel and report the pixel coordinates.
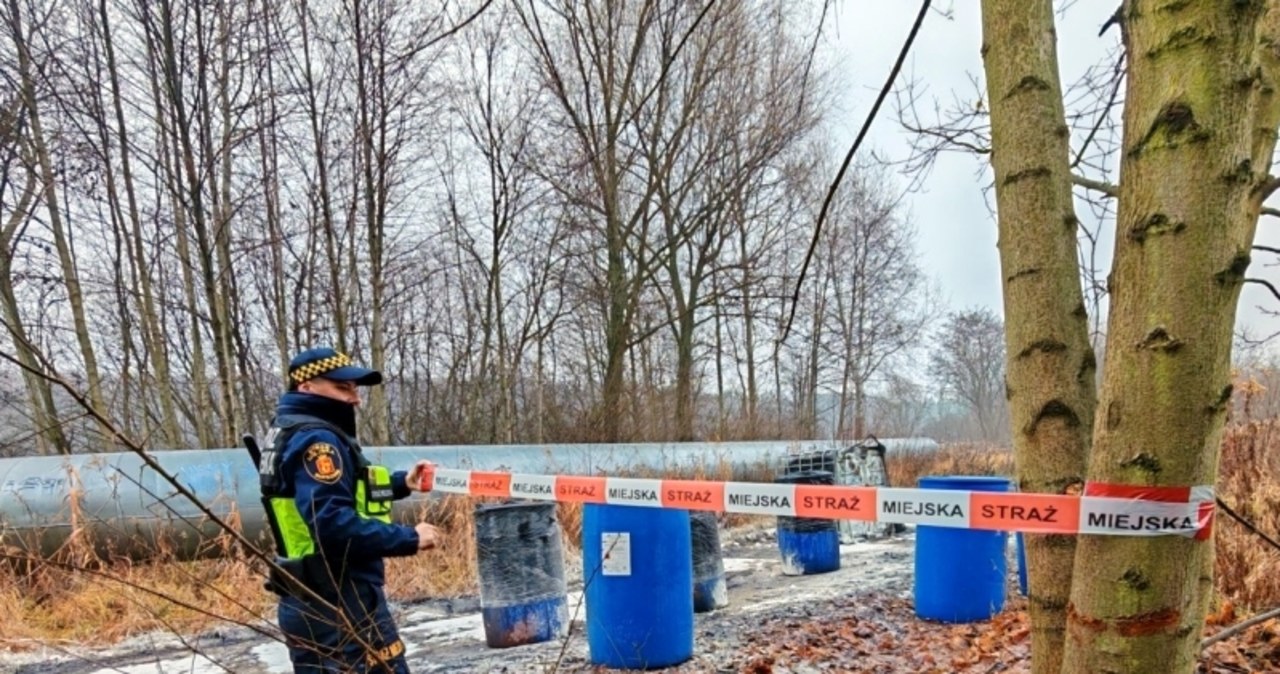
(808, 545)
(960, 573)
(521, 563)
(1022, 565)
(638, 567)
(710, 591)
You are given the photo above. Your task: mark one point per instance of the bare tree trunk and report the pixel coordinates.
(320, 141)
(134, 417)
(152, 329)
(1185, 224)
(540, 398)
(203, 415)
(373, 189)
(813, 365)
(48, 428)
(859, 410)
(843, 400)
(268, 148)
(232, 362)
(192, 202)
(1049, 361)
(685, 402)
(66, 257)
(752, 402)
(721, 419)
(618, 318)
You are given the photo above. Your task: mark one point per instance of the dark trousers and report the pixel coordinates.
(362, 641)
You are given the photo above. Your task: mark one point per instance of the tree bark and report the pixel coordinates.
(1183, 234)
(1049, 363)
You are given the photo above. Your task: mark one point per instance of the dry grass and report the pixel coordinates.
(447, 571)
(91, 601)
(1247, 569)
(86, 595)
(953, 459)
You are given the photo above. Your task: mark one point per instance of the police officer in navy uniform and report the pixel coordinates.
(330, 513)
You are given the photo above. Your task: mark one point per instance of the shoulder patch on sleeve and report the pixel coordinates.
(323, 462)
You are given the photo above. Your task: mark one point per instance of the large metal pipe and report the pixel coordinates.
(124, 507)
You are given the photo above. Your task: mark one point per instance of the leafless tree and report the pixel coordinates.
(901, 409)
(879, 295)
(969, 362)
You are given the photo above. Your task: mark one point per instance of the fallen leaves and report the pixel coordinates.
(1257, 649)
(1225, 615)
(873, 635)
(881, 634)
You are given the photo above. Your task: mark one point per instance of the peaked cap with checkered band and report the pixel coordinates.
(330, 364)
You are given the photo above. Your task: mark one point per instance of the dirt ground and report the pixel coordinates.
(448, 636)
(858, 619)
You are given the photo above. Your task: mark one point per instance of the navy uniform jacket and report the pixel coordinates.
(323, 483)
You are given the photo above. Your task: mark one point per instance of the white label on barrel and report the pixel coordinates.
(1129, 517)
(452, 480)
(615, 553)
(539, 487)
(760, 498)
(629, 491)
(938, 507)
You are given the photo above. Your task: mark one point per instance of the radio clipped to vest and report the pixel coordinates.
(374, 493)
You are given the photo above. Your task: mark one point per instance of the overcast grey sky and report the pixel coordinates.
(957, 234)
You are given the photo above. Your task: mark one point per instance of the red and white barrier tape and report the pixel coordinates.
(1116, 510)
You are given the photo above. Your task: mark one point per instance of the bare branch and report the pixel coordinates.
(866, 125)
(1267, 188)
(951, 138)
(1095, 185)
(453, 30)
(963, 126)
(1239, 627)
(1117, 79)
(1266, 284)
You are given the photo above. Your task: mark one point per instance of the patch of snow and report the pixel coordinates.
(744, 564)
(273, 656)
(189, 664)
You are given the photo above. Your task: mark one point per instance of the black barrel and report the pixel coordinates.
(522, 587)
(709, 589)
(808, 545)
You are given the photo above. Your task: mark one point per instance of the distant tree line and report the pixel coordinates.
(546, 221)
